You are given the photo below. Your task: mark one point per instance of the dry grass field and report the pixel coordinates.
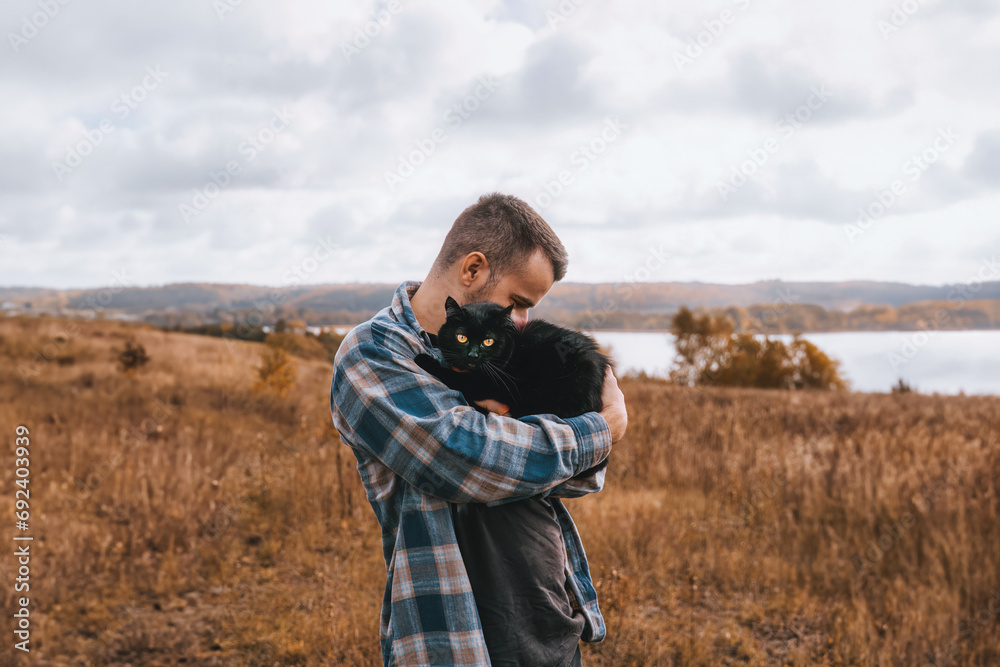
(179, 517)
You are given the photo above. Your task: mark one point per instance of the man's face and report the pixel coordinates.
(524, 288)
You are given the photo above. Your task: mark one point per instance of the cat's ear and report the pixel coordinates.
(451, 307)
(506, 311)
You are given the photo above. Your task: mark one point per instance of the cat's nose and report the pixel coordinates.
(473, 354)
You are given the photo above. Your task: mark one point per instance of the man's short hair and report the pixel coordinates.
(507, 231)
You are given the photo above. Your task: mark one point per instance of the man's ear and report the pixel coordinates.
(451, 307)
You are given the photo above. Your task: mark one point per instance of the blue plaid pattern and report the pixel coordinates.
(421, 446)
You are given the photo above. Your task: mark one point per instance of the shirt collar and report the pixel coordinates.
(403, 311)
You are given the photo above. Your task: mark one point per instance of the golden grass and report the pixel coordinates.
(181, 515)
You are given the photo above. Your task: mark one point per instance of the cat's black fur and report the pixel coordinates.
(540, 369)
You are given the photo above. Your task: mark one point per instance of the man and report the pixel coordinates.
(420, 447)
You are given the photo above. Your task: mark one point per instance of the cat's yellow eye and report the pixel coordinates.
(488, 342)
(461, 338)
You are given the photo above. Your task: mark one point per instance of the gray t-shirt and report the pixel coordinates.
(514, 555)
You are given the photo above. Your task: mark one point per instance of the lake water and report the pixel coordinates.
(946, 362)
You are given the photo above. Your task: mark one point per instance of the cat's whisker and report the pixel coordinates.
(504, 373)
(497, 374)
(492, 374)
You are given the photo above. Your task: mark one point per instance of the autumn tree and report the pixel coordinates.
(709, 353)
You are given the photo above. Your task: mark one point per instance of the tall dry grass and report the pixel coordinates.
(765, 527)
(181, 516)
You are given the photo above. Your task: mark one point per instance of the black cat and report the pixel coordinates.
(513, 552)
(540, 369)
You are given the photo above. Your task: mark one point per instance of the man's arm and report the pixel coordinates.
(588, 481)
(576, 487)
(426, 433)
(616, 416)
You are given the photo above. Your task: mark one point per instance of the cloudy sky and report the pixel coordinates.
(278, 143)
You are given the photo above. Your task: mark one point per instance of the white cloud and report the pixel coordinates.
(357, 117)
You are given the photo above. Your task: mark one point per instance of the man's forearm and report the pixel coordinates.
(590, 480)
(427, 434)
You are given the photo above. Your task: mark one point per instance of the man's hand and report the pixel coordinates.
(492, 406)
(614, 406)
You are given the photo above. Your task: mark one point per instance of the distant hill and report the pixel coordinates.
(813, 305)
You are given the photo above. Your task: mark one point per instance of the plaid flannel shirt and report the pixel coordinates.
(420, 446)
